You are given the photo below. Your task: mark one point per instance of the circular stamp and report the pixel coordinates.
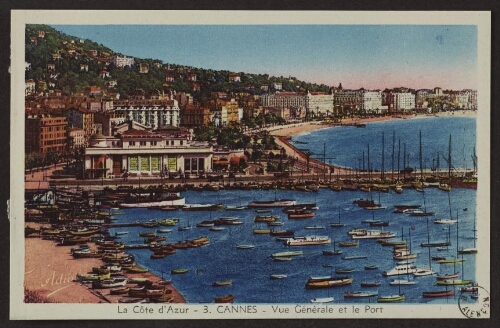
(474, 302)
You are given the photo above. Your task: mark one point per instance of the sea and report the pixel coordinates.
(250, 269)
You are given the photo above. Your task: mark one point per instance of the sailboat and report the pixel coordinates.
(419, 212)
(424, 271)
(456, 259)
(452, 281)
(405, 254)
(434, 244)
(470, 250)
(327, 299)
(447, 221)
(334, 252)
(337, 224)
(393, 298)
(185, 227)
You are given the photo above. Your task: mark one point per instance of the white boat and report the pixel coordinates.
(359, 294)
(235, 208)
(400, 269)
(217, 229)
(322, 300)
(402, 282)
(288, 254)
(278, 276)
(374, 234)
(308, 241)
(423, 272)
(314, 227)
(445, 221)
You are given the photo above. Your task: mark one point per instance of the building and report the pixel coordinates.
(76, 138)
(195, 115)
(140, 152)
(404, 101)
(278, 86)
(234, 78)
(347, 101)
(83, 119)
(231, 112)
(143, 68)
(370, 101)
(472, 101)
(30, 87)
(122, 61)
(157, 114)
(319, 103)
(45, 134)
(92, 91)
(284, 100)
(108, 121)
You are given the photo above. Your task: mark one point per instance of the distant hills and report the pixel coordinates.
(71, 64)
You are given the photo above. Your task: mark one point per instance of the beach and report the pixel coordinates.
(51, 271)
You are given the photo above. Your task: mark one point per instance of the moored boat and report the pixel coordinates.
(308, 241)
(224, 299)
(360, 294)
(391, 298)
(278, 276)
(222, 283)
(438, 293)
(370, 284)
(287, 254)
(271, 203)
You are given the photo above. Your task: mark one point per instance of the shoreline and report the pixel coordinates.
(284, 134)
(50, 271)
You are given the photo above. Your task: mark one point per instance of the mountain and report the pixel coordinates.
(71, 64)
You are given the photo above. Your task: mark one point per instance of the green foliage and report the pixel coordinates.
(71, 79)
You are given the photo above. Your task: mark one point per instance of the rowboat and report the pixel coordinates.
(245, 246)
(447, 276)
(359, 294)
(222, 283)
(401, 282)
(288, 254)
(354, 257)
(348, 244)
(371, 267)
(314, 227)
(328, 282)
(322, 300)
(283, 259)
(439, 293)
(391, 298)
(217, 229)
(453, 282)
(179, 271)
(345, 270)
(224, 299)
(119, 291)
(370, 284)
(278, 276)
(136, 269)
(445, 221)
(92, 277)
(163, 230)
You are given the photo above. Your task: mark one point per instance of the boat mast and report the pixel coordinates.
(399, 154)
(369, 172)
(404, 161)
(383, 156)
(393, 142)
(420, 158)
(449, 158)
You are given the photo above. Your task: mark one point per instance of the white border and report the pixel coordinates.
(19, 310)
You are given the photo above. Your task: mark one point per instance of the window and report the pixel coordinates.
(143, 143)
(131, 143)
(153, 143)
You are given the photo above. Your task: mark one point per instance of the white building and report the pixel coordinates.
(370, 101)
(284, 100)
(319, 103)
(30, 87)
(122, 61)
(156, 116)
(146, 153)
(404, 100)
(348, 98)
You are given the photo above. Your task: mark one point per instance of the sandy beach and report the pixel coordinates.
(50, 271)
(283, 133)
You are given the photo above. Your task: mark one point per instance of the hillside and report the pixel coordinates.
(70, 64)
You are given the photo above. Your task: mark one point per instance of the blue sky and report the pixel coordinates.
(369, 56)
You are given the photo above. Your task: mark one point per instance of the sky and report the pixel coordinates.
(368, 56)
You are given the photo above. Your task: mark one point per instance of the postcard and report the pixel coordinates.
(250, 164)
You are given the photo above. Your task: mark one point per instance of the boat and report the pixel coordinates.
(308, 241)
(179, 271)
(400, 269)
(373, 234)
(206, 224)
(136, 269)
(92, 277)
(329, 282)
(322, 300)
(345, 270)
(444, 187)
(109, 283)
(222, 283)
(453, 282)
(391, 298)
(168, 222)
(120, 233)
(265, 218)
(445, 221)
(360, 294)
(385, 242)
(287, 232)
(301, 215)
(278, 276)
(263, 211)
(287, 254)
(438, 293)
(274, 224)
(472, 250)
(354, 257)
(348, 243)
(370, 221)
(448, 276)
(271, 203)
(451, 261)
(379, 224)
(403, 207)
(283, 259)
(202, 207)
(163, 230)
(332, 252)
(261, 231)
(217, 229)
(224, 299)
(396, 282)
(420, 213)
(398, 189)
(371, 267)
(370, 284)
(314, 227)
(434, 244)
(337, 224)
(170, 199)
(235, 208)
(245, 246)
